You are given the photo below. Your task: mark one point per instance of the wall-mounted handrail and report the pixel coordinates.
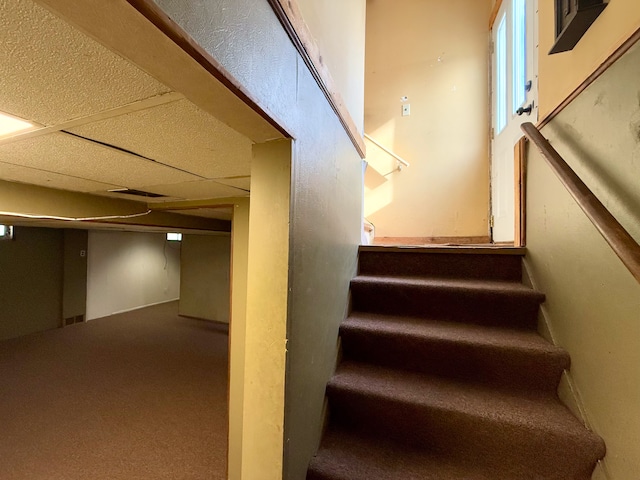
(386, 150)
(613, 232)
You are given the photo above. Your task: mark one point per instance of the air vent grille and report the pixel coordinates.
(137, 193)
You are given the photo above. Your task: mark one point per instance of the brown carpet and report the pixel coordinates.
(444, 377)
(140, 395)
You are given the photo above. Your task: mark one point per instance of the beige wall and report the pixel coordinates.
(339, 30)
(204, 277)
(238, 332)
(593, 302)
(266, 314)
(560, 74)
(130, 270)
(435, 53)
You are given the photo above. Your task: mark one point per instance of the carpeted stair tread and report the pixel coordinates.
(493, 264)
(450, 395)
(460, 285)
(347, 456)
(460, 420)
(485, 353)
(475, 301)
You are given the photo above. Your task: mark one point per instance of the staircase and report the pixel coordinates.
(444, 377)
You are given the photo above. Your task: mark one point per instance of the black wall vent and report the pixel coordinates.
(137, 193)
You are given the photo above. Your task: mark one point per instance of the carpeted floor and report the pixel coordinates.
(140, 395)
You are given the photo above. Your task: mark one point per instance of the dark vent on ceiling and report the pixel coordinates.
(137, 193)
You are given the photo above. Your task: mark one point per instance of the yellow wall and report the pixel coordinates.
(435, 53)
(266, 313)
(562, 73)
(338, 28)
(237, 332)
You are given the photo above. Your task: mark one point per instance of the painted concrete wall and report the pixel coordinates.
(129, 270)
(31, 269)
(339, 31)
(325, 211)
(560, 74)
(74, 295)
(593, 302)
(436, 54)
(205, 262)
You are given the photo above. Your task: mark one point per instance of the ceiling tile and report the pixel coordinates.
(240, 182)
(68, 155)
(17, 173)
(177, 134)
(50, 72)
(219, 213)
(196, 190)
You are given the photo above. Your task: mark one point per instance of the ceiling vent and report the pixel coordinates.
(137, 193)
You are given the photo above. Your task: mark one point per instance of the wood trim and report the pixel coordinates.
(154, 14)
(519, 159)
(416, 241)
(613, 58)
(623, 244)
(494, 13)
(291, 19)
(492, 249)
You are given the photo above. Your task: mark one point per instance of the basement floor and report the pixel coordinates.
(140, 395)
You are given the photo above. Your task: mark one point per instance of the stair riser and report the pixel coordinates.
(442, 265)
(509, 368)
(456, 434)
(484, 307)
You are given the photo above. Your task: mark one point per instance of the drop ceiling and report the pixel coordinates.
(106, 124)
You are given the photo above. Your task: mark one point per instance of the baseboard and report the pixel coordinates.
(567, 390)
(479, 240)
(138, 308)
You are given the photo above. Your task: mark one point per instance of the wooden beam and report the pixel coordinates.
(288, 12)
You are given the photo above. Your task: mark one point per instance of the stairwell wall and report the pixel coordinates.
(436, 54)
(562, 73)
(593, 302)
(246, 37)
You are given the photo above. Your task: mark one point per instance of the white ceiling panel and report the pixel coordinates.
(178, 134)
(219, 213)
(17, 173)
(68, 155)
(50, 72)
(240, 182)
(196, 190)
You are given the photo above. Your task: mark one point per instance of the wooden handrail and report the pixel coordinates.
(615, 234)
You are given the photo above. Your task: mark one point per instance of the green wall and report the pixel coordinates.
(593, 302)
(246, 37)
(31, 273)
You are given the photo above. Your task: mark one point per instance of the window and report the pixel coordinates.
(519, 54)
(6, 232)
(501, 75)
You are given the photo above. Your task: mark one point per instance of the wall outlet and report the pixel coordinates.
(406, 109)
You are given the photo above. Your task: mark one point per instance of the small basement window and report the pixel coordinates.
(6, 232)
